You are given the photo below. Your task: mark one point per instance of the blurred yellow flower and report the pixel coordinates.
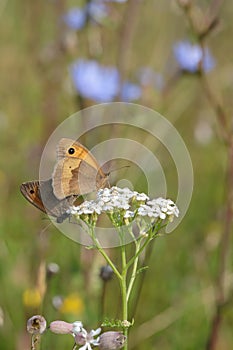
(72, 304)
(31, 297)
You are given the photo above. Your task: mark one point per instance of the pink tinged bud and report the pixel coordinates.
(111, 340)
(36, 324)
(61, 327)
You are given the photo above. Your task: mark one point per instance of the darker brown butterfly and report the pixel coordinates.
(33, 192)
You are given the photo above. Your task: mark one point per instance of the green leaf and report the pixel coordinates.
(142, 269)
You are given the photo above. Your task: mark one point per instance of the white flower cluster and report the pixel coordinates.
(159, 208)
(131, 203)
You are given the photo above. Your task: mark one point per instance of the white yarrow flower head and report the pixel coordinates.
(141, 197)
(124, 206)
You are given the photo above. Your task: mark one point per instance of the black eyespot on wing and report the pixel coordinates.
(71, 150)
(32, 191)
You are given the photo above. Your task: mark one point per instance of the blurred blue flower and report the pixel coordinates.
(94, 81)
(75, 18)
(189, 57)
(148, 77)
(97, 10)
(130, 92)
(114, 0)
(101, 83)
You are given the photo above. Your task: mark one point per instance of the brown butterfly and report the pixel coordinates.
(77, 171)
(34, 191)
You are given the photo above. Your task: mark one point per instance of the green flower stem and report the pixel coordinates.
(150, 236)
(140, 245)
(138, 252)
(121, 277)
(123, 285)
(117, 273)
(102, 252)
(134, 272)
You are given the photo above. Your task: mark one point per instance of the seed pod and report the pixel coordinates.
(111, 340)
(36, 324)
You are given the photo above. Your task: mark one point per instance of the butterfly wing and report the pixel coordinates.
(74, 149)
(30, 190)
(40, 194)
(88, 178)
(77, 171)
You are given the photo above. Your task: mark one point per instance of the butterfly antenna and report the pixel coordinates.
(122, 167)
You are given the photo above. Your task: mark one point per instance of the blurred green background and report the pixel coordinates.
(176, 304)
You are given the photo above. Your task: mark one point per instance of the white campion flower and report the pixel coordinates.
(82, 337)
(87, 340)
